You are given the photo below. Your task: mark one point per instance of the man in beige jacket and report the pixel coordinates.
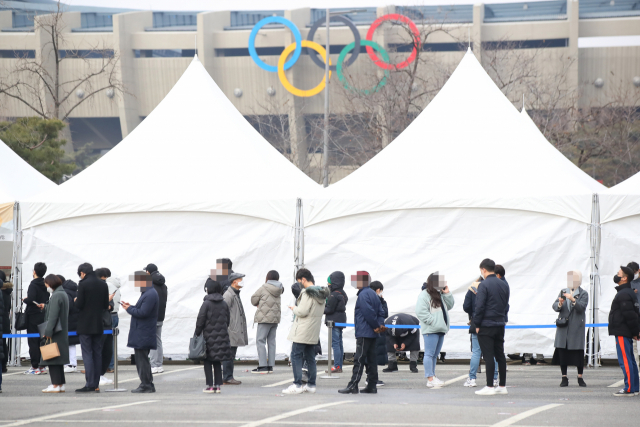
(305, 331)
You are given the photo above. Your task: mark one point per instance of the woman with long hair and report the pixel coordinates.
(56, 312)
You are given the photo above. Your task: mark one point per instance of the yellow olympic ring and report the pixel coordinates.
(283, 78)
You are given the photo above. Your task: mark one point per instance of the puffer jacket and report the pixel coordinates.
(624, 317)
(267, 300)
(238, 334)
(369, 313)
(308, 315)
(144, 316)
(336, 308)
(7, 289)
(213, 321)
(158, 284)
(71, 289)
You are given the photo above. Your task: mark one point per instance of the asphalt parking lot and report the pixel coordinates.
(534, 399)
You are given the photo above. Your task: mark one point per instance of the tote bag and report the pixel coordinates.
(197, 347)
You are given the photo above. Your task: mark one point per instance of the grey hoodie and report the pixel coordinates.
(267, 300)
(114, 286)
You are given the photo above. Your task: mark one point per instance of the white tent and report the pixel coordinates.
(194, 182)
(470, 178)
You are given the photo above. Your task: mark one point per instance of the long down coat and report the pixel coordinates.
(572, 337)
(144, 316)
(58, 308)
(213, 321)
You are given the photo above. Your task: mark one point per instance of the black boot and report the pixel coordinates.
(349, 390)
(393, 367)
(565, 382)
(369, 390)
(581, 382)
(413, 367)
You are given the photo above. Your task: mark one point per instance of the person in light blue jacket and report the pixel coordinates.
(432, 310)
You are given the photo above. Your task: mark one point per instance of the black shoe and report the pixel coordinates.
(270, 369)
(514, 356)
(393, 367)
(368, 390)
(4, 370)
(413, 367)
(624, 393)
(86, 390)
(565, 382)
(354, 390)
(263, 370)
(143, 389)
(581, 382)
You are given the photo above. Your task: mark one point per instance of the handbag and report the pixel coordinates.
(21, 320)
(197, 347)
(107, 322)
(562, 322)
(50, 350)
(43, 326)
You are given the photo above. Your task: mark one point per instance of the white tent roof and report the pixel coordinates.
(194, 152)
(468, 148)
(18, 179)
(621, 201)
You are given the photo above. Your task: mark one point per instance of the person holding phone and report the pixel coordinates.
(37, 297)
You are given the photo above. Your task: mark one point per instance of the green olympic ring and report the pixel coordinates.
(343, 55)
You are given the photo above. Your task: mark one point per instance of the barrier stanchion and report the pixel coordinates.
(115, 361)
(330, 353)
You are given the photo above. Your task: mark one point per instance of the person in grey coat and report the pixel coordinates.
(56, 311)
(238, 334)
(268, 312)
(571, 306)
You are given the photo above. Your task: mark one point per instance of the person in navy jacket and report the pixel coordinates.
(142, 332)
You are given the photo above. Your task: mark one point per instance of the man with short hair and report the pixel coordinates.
(492, 307)
(224, 268)
(635, 285)
(92, 301)
(37, 297)
(238, 335)
(158, 281)
(624, 325)
(107, 340)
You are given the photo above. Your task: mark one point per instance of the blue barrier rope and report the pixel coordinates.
(71, 334)
(589, 325)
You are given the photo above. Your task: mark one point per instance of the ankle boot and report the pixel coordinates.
(565, 382)
(581, 382)
(393, 367)
(413, 367)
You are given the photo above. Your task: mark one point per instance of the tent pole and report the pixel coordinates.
(298, 243)
(16, 273)
(596, 281)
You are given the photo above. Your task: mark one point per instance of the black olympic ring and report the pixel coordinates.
(356, 35)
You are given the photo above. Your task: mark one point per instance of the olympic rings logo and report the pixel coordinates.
(295, 50)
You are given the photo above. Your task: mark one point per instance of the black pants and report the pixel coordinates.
(217, 370)
(227, 365)
(107, 353)
(563, 370)
(56, 372)
(91, 346)
(365, 355)
(143, 365)
(33, 320)
(5, 346)
(491, 340)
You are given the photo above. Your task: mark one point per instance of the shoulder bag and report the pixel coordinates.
(21, 320)
(197, 347)
(43, 326)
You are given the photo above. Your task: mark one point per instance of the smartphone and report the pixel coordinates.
(119, 302)
(562, 295)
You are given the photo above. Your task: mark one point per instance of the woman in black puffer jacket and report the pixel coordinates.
(213, 321)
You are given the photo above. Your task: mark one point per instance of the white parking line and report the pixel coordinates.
(293, 413)
(456, 379)
(14, 373)
(164, 373)
(525, 414)
(67, 414)
(280, 383)
(616, 385)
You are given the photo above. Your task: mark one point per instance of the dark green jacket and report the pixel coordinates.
(58, 308)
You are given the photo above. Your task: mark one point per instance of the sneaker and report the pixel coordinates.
(293, 389)
(217, 389)
(154, 370)
(624, 393)
(496, 383)
(438, 381)
(308, 389)
(208, 390)
(70, 369)
(62, 388)
(261, 370)
(434, 385)
(41, 371)
(470, 383)
(269, 369)
(334, 370)
(486, 391)
(31, 371)
(159, 370)
(56, 389)
(105, 381)
(501, 390)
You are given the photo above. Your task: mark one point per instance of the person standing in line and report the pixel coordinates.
(114, 289)
(492, 308)
(305, 331)
(402, 340)
(142, 331)
(369, 322)
(432, 309)
(7, 289)
(635, 285)
(2, 323)
(107, 340)
(238, 335)
(159, 285)
(336, 311)
(224, 268)
(57, 312)
(213, 321)
(381, 341)
(71, 289)
(296, 290)
(267, 299)
(571, 307)
(624, 325)
(37, 297)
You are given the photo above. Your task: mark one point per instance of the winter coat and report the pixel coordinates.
(2, 322)
(267, 300)
(381, 340)
(409, 337)
(308, 314)
(434, 320)
(58, 309)
(572, 336)
(296, 289)
(37, 292)
(492, 303)
(114, 286)
(336, 308)
(225, 283)
(238, 334)
(144, 316)
(635, 285)
(624, 317)
(469, 306)
(7, 289)
(158, 283)
(93, 300)
(369, 314)
(213, 321)
(71, 289)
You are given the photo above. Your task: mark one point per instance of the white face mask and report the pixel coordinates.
(50, 290)
(635, 276)
(240, 284)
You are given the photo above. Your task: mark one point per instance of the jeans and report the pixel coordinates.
(336, 346)
(432, 346)
(114, 324)
(91, 346)
(624, 348)
(157, 355)
(491, 340)
(306, 352)
(365, 356)
(227, 365)
(217, 372)
(266, 339)
(475, 359)
(143, 367)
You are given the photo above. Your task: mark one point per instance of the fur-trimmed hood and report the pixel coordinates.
(318, 293)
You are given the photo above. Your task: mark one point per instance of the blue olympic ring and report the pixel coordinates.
(296, 35)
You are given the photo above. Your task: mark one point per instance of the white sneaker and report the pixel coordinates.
(308, 389)
(51, 389)
(159, 370)
(293, 389)
(70, 369)
(438, 381)
(154, 370)
(501, 390)
(496, 383)
(470, 383)
(31, 371)
(432, 384)
(105, 381)
(487, 391)
(62, 388)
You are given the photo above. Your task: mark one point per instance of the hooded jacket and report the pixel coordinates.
(308, 315)
(624, 315)
(7, 289)
(238, 335)
(158, 284)
(267, 299)
(213, 321)
(434, 320)
(114, 286)
(336, 308)
(71, 289)
(369, 314)
(37, 292)
(144, 317)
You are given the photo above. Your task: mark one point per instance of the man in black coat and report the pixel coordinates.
(635, 285)
(624, 325)
(402, 339)
(159, 285)
(92, 301)
(37, 297)
(7, 289)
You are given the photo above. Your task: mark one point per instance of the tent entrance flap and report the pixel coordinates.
(298, 242)
(594, 349)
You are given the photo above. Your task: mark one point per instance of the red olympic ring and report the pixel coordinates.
(416, 35)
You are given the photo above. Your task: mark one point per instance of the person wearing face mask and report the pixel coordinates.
(624, 325)
(238, 335)
(571, 306)
(37, 297)
(635, 285)
(56, 312)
